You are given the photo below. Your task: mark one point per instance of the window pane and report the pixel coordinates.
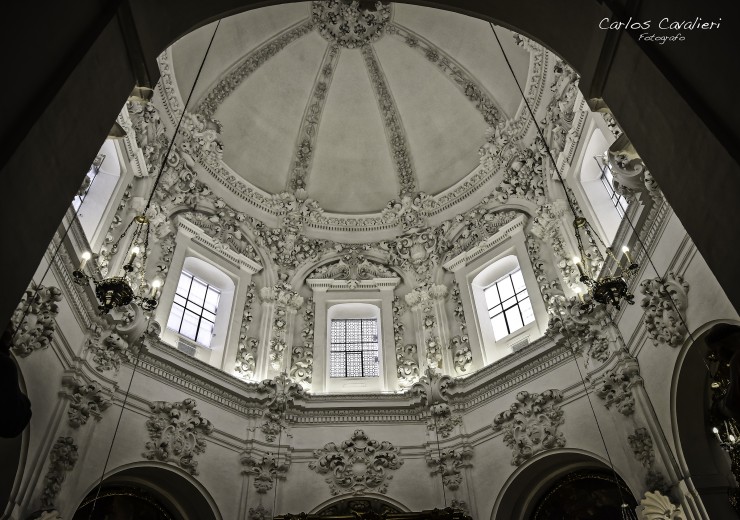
(354, 331)
(518, 280)
(205, 333)
(514, 319)
(370, 360)
(175, 316)
(193, 307)
(336, 366)
(183, 284)
(527, 312)
(499, 327)
(354, 364)
(491, 295)
(180, 300)
(189, 327)
(209, 316)
(369, 330)
(508, 303)
(197, 292)
(212, 297)
(496, 310)
(505, 288)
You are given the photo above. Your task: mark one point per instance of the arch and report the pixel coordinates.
(699, 456)
(615, 67)
(174, 488)
(527, 485)
(374, 497)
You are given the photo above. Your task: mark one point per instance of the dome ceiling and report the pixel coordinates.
(351, 105)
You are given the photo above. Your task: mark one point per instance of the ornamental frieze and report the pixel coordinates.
(177, 433)
(358, 465)
(530, 425)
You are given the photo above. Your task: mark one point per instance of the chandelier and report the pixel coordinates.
(607, 290)
(125, 286)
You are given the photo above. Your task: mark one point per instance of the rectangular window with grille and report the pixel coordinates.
(509, 307)
(194, 309)
(354, 348)
(607, 179)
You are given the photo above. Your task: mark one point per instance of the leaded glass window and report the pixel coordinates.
(354, 348)
(509, 306)
(194, 309)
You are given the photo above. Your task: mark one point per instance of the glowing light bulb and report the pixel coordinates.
(84, 257)
(579, 292)
(626, 251)
(715, 430)
(156, 284)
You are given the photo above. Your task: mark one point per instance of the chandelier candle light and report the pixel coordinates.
(122, 289)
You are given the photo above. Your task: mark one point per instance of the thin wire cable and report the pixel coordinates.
(27, 308)
(593, 412)
(115, 432)
(439, 454)
(572, 208)
(280, 442)
(154, 187)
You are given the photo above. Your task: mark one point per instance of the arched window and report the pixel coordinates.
(607, 206)
(354, 347)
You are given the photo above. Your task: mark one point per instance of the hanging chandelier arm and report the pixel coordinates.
(179, 122)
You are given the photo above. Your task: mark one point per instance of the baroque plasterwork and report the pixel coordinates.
(62, 460)
(265, 469)
(615, 388)
(395, 132)
(316, 218)
(665, 303)
(301, 365)
(305, 147)
(33, 320)
(246, 356)
(280, 392)
(350, 23)
(530, 425)
(450, 463)
(358, 465)
(462, 356)
(433, 389)
(177, 433)
(86, 400)
(655, 506)
(641, 444)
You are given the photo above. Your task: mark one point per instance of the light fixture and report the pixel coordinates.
(607, 290)
(128, 286)
(125, 286)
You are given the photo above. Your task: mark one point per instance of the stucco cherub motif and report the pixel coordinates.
(33, 319)
(177, 432)
(358, 465)
(665, 299)
(530, 425)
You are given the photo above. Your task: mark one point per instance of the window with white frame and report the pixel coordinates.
(194, 309)
(508, 303)
(354, 348)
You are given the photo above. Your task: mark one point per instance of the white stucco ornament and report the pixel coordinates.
(655, 506)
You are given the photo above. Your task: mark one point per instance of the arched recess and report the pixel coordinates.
(174, 490)
(699, 454)
(13, 454)
(523, 490)
(347, 506)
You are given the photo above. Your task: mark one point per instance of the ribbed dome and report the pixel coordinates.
(357, 104)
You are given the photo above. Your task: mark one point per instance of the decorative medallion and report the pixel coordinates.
(530, 425)
(358, 465)
(177, 432)
(351, 24)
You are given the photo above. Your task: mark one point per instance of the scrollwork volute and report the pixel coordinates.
(358, 465)
(433, 389)
(655, 506)
(177, 433)
(86, 400)
(530, 425)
